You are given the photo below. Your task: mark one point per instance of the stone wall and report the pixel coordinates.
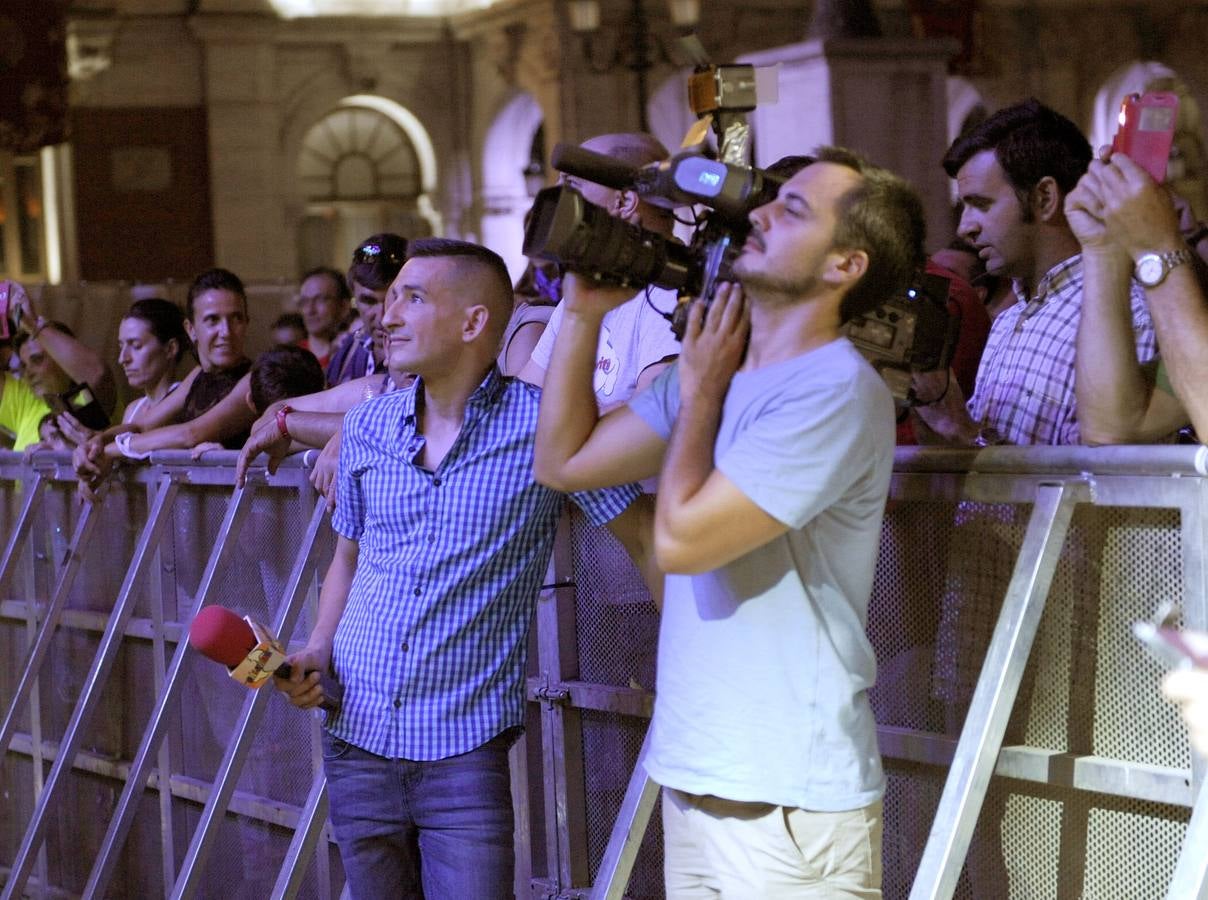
(261, 81)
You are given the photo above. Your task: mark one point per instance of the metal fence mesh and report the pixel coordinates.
(944, 566)
(253, 838)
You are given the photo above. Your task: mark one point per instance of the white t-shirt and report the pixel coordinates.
(764, 665)
(633, 337)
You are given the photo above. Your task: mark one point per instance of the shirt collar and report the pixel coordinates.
(1053, 281)
(485, 395)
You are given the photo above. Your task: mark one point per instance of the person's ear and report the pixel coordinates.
(475, 322)
(625, 205)
(845, 267)
(172, 350)
(190, 331)
(1045, 197)
(251, 404)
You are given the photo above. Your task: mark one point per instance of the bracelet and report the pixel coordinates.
(42, 323)
(281, 426)
(122, 442)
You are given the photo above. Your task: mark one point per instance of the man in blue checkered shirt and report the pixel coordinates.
(444, 537)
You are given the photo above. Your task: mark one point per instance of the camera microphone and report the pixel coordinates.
(249, 652)
(594, 167)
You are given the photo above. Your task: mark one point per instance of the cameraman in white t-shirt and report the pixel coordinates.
(636, 342)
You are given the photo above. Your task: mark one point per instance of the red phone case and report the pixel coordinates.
(1147, 130)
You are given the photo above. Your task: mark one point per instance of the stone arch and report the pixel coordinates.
(506, 155)
(325, 233)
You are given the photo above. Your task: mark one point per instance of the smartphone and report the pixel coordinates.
(1169, 644)
(1147, 130)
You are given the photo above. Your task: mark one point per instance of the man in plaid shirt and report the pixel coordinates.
(1013, 173)
(444, 536)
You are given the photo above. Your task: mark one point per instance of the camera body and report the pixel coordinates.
(913, 332)
(583, 238)
(1147, 130)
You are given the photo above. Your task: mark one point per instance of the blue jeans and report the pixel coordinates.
(435, 829)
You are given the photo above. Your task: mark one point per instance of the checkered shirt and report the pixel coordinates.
(1025, 384)
(431, 645)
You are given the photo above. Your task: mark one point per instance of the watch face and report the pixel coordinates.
(1150, 269)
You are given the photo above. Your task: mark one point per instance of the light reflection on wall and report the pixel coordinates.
(294, 9)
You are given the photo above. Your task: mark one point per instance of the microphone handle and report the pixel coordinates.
(333, 691)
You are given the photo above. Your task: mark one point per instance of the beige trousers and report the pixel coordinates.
(726, 849)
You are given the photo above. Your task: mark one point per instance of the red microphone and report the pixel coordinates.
(250, 653)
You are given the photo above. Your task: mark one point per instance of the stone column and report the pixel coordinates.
(883, 97)
(250, 234)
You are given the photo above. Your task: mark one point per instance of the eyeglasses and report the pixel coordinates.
(372, 253)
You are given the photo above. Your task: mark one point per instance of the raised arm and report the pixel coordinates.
(1114, 395)
(82, 364)
(577, 450)
(702, 519)
(1142, 219)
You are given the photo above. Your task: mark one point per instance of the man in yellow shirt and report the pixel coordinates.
(20, 410)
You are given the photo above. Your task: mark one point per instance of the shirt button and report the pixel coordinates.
(397, 703)
(406, 646)
(436, 482)
(418, 591)
(431, 539)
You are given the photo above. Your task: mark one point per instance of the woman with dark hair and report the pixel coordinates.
(151, 342)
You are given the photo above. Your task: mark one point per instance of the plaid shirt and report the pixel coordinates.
(1025, 384)
(431, 645)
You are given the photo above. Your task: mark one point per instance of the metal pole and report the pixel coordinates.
(306, 837)
(997, 686)
(1190, 881)
(54, 612)
(140, 768)
(227, 777)
(21, 528)
(626, 838)
(561, 724)
(90, 696)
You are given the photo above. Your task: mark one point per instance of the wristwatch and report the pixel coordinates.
(1152, 268)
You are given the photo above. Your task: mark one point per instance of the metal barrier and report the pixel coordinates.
(136, 775)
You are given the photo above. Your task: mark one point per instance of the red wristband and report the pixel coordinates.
(281, 414)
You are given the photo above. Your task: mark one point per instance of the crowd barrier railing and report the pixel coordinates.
(1047, 765)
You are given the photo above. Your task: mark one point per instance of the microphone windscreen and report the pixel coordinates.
(593, 167)
(221, 635)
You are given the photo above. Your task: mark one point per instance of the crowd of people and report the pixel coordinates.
(455, 418)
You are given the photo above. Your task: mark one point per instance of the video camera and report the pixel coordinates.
(584, 238)
(911, 332)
